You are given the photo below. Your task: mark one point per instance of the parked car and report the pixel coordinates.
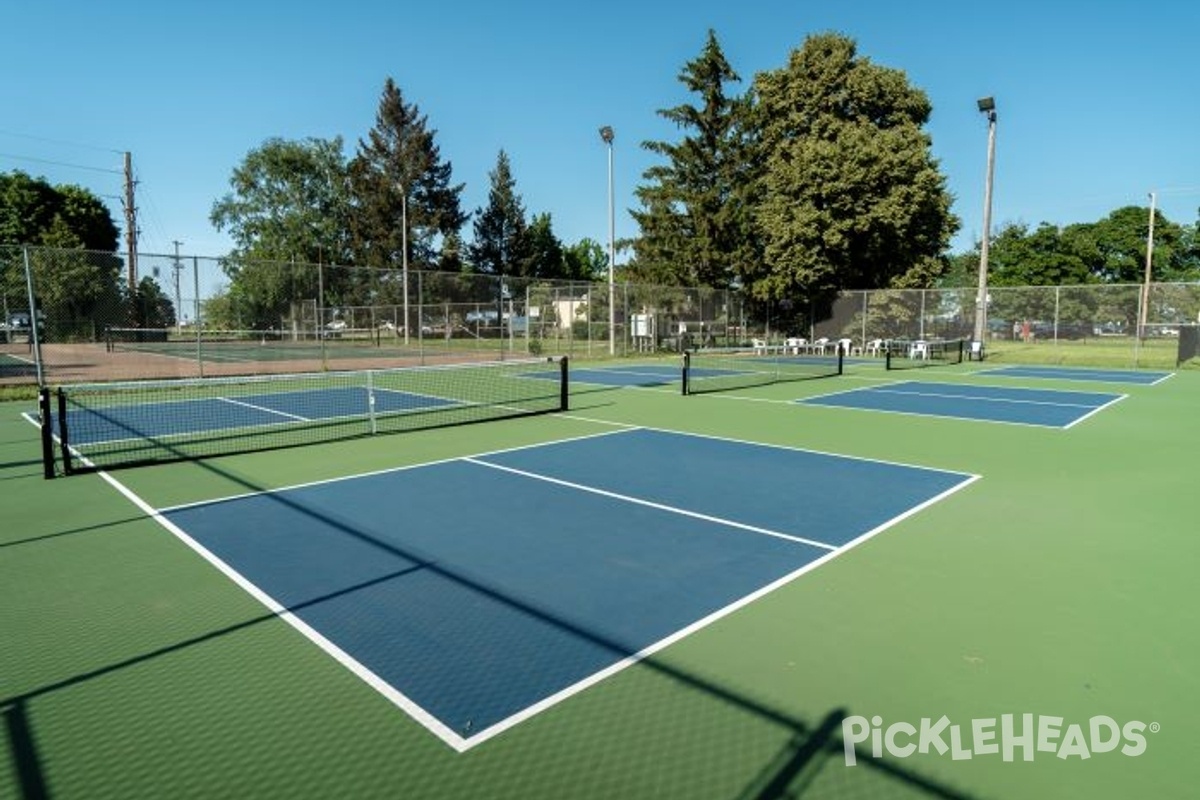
(482, 317)
(18, 327)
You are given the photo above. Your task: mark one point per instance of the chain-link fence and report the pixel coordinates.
(189, 316)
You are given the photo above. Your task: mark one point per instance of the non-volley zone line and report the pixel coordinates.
(1142, 377)
(573, 560)
(1054, 408)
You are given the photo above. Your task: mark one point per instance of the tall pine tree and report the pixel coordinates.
(696, 227)
(397, 174)
(501, 245)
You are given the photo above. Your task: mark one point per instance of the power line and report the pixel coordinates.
(60, 163)
(65, 143)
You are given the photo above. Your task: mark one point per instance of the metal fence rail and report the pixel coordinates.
(366, 317)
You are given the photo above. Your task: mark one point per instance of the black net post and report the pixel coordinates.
(63, 443)
(47, 431)
(564, 386)
(687, 362)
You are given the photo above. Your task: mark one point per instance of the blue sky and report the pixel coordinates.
(1095, 100)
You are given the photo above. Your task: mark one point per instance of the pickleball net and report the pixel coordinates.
(109, 425)
(918, 353)
(723, 369)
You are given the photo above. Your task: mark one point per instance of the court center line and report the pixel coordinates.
(982, 398)
(650, 504)
(264, 408)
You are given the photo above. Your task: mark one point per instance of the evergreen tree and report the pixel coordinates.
(695, 224)
(501, 245)
(545, 257)
(398, 175)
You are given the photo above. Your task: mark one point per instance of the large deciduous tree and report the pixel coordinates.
(78, 279)
(851, 196)
(288, 209)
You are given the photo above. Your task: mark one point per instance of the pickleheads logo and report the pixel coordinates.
(1027, 734)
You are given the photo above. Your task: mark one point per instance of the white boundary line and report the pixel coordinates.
(791, 448)
(650, 504)
(986, 399)
(1081, 374)
(815, 401)
(397, 697)
(704, 622)
(256, 407)
(389, 470)
(1095, 410)
(426, 719)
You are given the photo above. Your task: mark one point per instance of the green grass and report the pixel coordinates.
(1117, 352)
(1060, 583)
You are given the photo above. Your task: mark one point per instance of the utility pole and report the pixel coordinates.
(178, 267)
(1144, 305)
(130, 223)
(987, 106)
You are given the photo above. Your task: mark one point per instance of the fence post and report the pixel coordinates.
(34, 335)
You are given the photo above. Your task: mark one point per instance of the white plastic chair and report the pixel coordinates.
(818, 346)
(919, 349)
(844, 345)
(874, 347)
(759, 345)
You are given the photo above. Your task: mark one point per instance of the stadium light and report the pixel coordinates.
(987, 106)
(606, 133)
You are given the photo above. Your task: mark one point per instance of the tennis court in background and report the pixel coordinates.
(573, 559)
(1052, 408)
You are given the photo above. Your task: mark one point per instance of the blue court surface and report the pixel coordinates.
(478, 591)
(1080, 374)
(1051, 408)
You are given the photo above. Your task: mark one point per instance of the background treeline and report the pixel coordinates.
(813, 178)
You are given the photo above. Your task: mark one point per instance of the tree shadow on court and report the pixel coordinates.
(100, 526)
(802, 768)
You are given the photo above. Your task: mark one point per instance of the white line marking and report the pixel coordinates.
(703, 622)
(263, 408)
(980, 398)
(651, 504)
(1095, 411)
(429, 721)
(790, 448)
(397, 697)
(389, 470)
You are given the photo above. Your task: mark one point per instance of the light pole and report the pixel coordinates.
(987, 106)
(404, 254)
(606, 133)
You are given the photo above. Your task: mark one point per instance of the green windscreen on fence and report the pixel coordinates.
(106, 425)
(1189, 344)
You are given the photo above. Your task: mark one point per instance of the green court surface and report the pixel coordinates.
(1060, 584)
